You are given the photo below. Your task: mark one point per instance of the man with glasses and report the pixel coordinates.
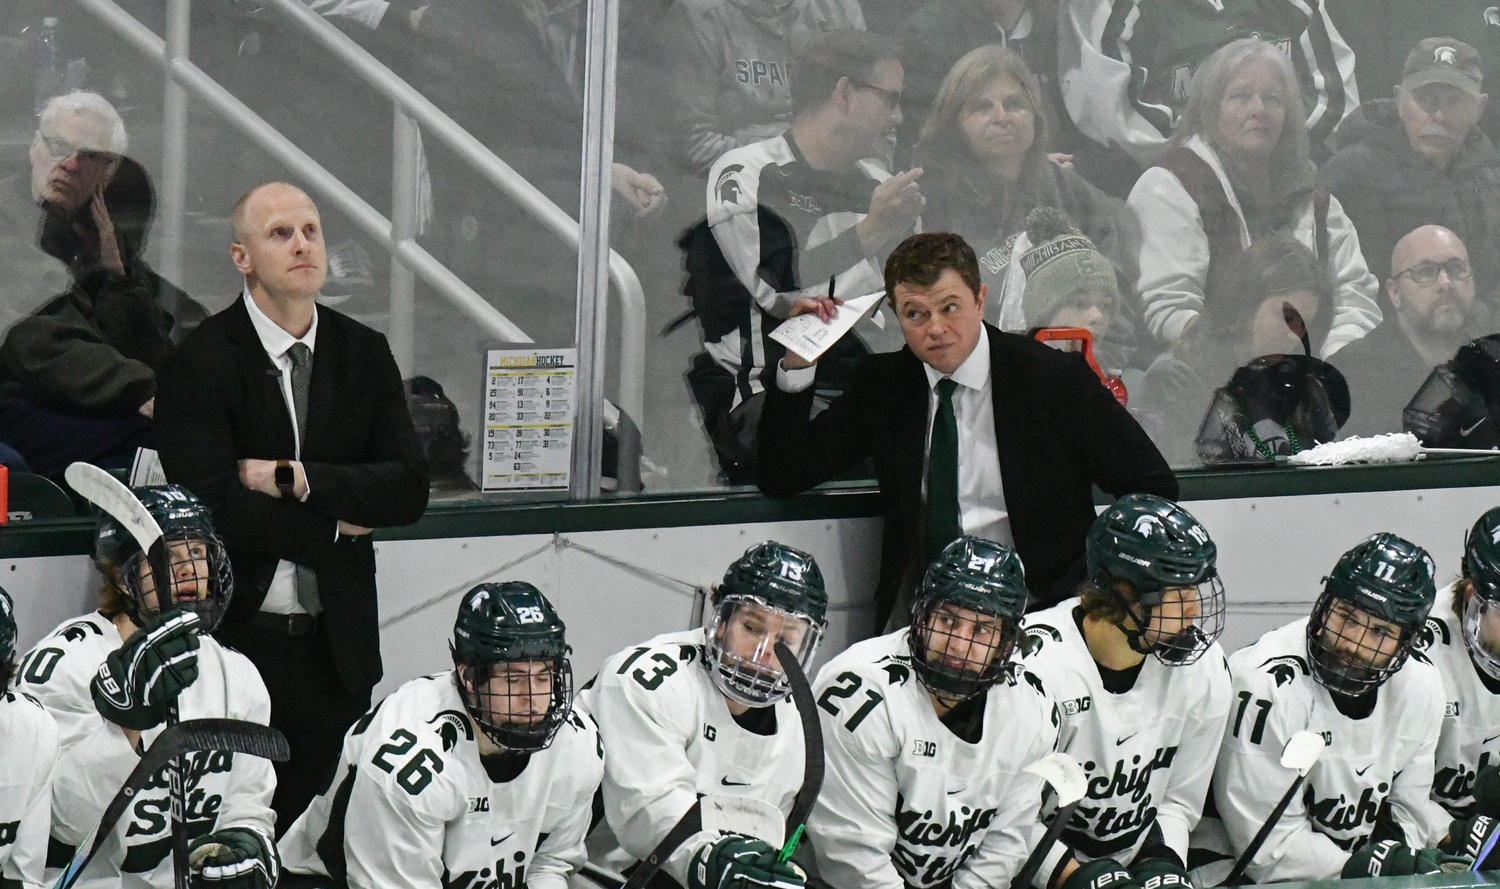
(1420, 158)
(1436, 311)
(88, 322)
(794, 216)
(1346, 674)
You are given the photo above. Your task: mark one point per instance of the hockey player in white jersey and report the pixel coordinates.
(926, 732)
(108, 678)
(28, 758)
(1462, 639)
(1143, 689)
(706, 711)
(480, 777)
(1349, 674)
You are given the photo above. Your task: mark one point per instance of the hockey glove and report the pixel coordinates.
(741, 862)
(1393, 858)
(1102, 873)
(1467, 837)
(138, 680)
(1161, 873)
(233, 858)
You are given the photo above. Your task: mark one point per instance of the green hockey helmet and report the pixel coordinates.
(1167, 558)
(8, 635)
(198, 564)
(512, 668)
(1481, 565)
(966, 618)
(771, 593)
(1365, 622)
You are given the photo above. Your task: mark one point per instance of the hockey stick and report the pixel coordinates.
(228, 735)
(692, 821)
(110, 494)
(1067, 779)
(1300, 753)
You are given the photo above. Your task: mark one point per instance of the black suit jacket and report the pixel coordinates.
(219, 400)
(1059, 432)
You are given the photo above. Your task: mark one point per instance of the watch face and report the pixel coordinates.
(285, 477)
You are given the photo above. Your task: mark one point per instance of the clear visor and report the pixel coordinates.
(1481, 626)
(1187, 620)
(1352, 651)
(742, 636)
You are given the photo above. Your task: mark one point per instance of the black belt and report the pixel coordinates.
(287, 624)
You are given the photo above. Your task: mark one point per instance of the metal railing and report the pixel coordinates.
(398, 233)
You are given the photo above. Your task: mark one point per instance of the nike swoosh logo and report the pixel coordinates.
(1490, 738)
(502, 839)
(1363, 770)
(1126, 738)
(728, 783)
(1470, 431)
(959, 790)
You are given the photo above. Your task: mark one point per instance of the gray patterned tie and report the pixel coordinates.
(301, 357)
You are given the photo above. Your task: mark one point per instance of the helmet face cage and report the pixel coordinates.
(741, 640)
(7, 641)
(1486, 654)
(198, 566)
(503, 701)
(1193, 612)
(1351, 651)
(958, 652)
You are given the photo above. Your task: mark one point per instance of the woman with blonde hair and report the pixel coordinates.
(1237, 170)
(983, 152)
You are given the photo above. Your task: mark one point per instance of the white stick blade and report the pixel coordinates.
(1302, 751)
(744, 815)
(110, 494)
(1064, 774)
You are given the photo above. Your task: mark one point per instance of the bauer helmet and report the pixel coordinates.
(197, 563)
(1168, 560)
(771, 593)
(1481, 566)
(1365, 622)
(966, 618)
(511, 664)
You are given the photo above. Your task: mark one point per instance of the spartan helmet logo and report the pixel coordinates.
(1445, 55)
(727, 187)
(1147, 525)
(1492, 16)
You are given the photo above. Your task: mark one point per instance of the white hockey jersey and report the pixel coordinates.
(905, 801)
(28, 759)
(413, 807)
(669, 738)
(221, 789)
(1149, 752)
(1385, 757)
(1470, 739)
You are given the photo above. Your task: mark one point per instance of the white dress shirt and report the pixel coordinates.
(281, 597)
(981, 497)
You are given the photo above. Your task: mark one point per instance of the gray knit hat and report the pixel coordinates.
(1060, 262)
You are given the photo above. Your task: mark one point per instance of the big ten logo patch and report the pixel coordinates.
(923, 748)
(758, 71)
(1077, 705)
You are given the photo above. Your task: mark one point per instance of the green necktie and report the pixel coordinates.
(942, 473)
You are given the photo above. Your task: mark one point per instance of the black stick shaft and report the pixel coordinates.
(1243, 862)
(1034, 860)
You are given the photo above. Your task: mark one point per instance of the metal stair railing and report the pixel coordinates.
(398, 233)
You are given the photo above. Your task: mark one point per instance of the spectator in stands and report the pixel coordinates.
(1129, 68)
(1069, 283)
(731, 64)
(1436, 311)
(78, 374)
(443, 441)
(1420, 159)
(1237, 171)
(983, 154)
(1242, 322)
(791, 213)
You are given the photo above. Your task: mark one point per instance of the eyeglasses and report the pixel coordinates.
(891, 98)
(59, 148)
(1424, 274)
